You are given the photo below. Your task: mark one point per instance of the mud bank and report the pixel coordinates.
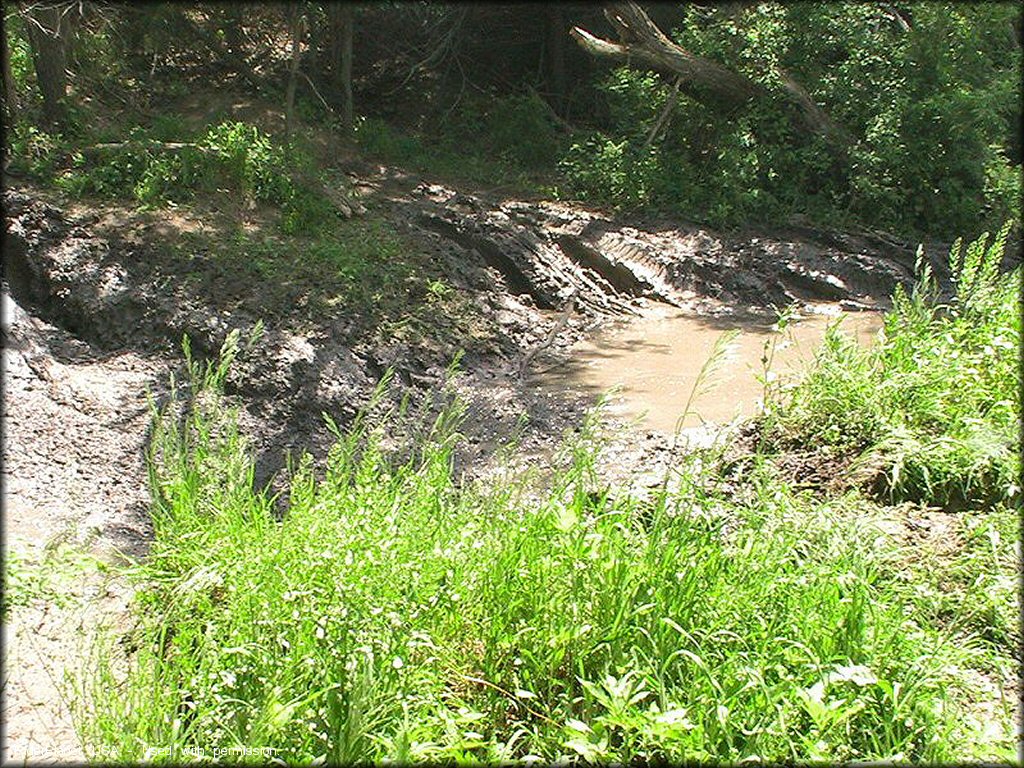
(98, 310)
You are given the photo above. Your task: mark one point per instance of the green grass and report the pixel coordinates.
(399, 612)
(933, 411)
(378, 278)
(49, 577)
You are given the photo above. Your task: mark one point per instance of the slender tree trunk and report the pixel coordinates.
(10, 89)
(314, 40)
(666, 113)
(556, 33)
(297, 25)
(347, 109)
(335, 31)
(48, 27)
(233, 28)
(132, 33)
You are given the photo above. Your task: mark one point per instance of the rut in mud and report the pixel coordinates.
(519, 262)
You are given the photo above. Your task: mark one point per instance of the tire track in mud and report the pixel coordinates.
(550, 251)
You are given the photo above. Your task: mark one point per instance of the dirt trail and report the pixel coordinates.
(94, 310)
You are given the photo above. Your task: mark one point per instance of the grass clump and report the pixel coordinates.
(933, 410)
(398, 612)
(48, 577)
(380, 278)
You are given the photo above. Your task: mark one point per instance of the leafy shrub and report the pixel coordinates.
(35, 151)
(933, 110)
(517, 128)
(230, 156)
(1002, 188)
(307, 211)
(20, 53)
(378, 138)
(601, 169)
(240, 156)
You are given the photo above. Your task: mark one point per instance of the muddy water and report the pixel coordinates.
(653, 361)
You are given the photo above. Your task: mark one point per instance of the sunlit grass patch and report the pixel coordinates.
(49, 577)
(397, 611)
(934, 409)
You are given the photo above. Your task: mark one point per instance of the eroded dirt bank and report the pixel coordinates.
(94, 309)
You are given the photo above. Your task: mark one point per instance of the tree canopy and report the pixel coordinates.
(901, 115)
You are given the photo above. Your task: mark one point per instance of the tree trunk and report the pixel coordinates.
(48, 27)
(666, 113)
(10, 89)
(233, 28)
(556, 56)
(335, 32)
(347, 109)
(643, 44)
(297, 24)
(133, 39)
(314, 40)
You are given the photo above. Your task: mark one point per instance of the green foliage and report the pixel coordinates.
(35, 151)
(151, 168)
(517, 129)
(245, 159)
(20, 52)
(396, 613)
(619, 169)
(747, 168)
(493, 142)
(935, 407)
(1002, 188)
(933, 111)
(599, 168)
(378, 138)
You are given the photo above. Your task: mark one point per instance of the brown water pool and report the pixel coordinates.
(653, 362)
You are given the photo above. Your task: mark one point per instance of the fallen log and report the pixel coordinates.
(164, 146)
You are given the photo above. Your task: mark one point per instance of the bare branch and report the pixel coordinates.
(670, 104)
(597, 46)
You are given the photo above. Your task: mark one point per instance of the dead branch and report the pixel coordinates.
(642, 45)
